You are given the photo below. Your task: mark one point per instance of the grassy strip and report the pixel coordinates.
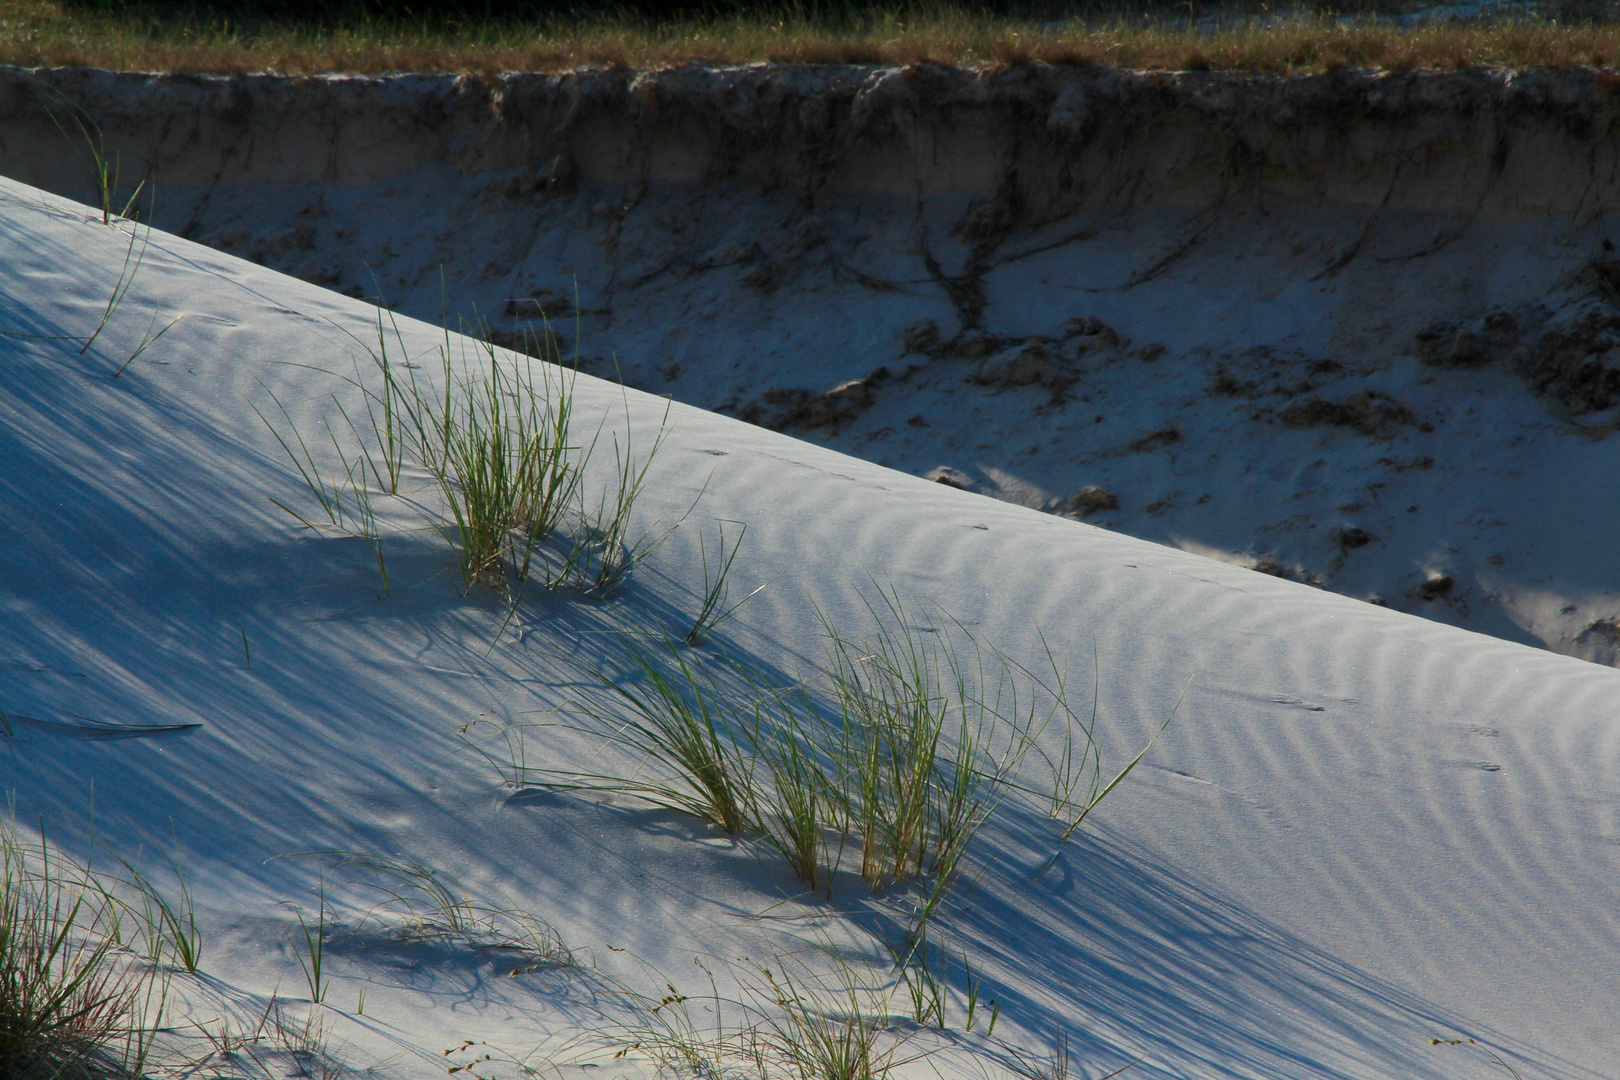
(50, 33)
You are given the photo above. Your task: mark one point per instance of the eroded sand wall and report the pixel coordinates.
(1506, 144)
(1360, 330)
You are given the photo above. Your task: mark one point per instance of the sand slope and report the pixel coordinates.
(1360, 831)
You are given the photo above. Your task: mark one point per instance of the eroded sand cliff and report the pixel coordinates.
(1357, 329)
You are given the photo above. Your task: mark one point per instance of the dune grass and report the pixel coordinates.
(497, 443)
(416, 901)
(717, 606)
(1236, 35)
(917, 795)
(495, 432)
(808, 1014)
(823, 1033)
(72, 1004)
(165, 921)
(906, 741)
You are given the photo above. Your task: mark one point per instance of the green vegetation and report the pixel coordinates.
(72, 1004)
(808, 1014)
(495, 433)
(829, 1035)
(497, 444)
(1234, 34)
(902, 747)
(716, 608)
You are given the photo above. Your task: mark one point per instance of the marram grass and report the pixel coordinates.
(49, 33)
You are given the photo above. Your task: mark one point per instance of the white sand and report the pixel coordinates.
(1361, 830)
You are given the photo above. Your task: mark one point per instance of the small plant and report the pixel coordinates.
(328, 494)
(716, 590)
(312, 959)
(667, 707)
(388, 430)
(931, 737)
(148, 339)
(301, 1035)
(126, 281)
(604, 548)
(973, 987)
(829, 1035)
(925, 984)
(169, 926)
(1056, 1065)
(686, 1043)
(1064, 801)
(499, 450)
(504, 748)
(1490, 1055)
(273, 1028)
(226, 1040)
(358, 519)
(496, 438)
(91, 146)
(792, 1020)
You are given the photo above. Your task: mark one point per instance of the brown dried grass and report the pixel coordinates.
(46, 33)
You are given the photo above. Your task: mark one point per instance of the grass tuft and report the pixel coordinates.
(495, 435)
(716, 586)
(932, 735)
(502, 462)
(169, 926)
(667, 706)
(71, 1004)
(312, 960)
(829, 1034)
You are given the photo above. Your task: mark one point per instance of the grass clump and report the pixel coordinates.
(829, 1034)
(666, 706)
(791, 1018)
(930, 734)
(495, 436)
(166, 924)
(72, 1003)
(497, 444)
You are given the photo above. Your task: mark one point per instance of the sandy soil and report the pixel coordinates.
(1361, 830)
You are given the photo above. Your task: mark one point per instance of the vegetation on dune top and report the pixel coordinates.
(297, 37)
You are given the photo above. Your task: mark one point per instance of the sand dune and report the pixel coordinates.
(1361, 830)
